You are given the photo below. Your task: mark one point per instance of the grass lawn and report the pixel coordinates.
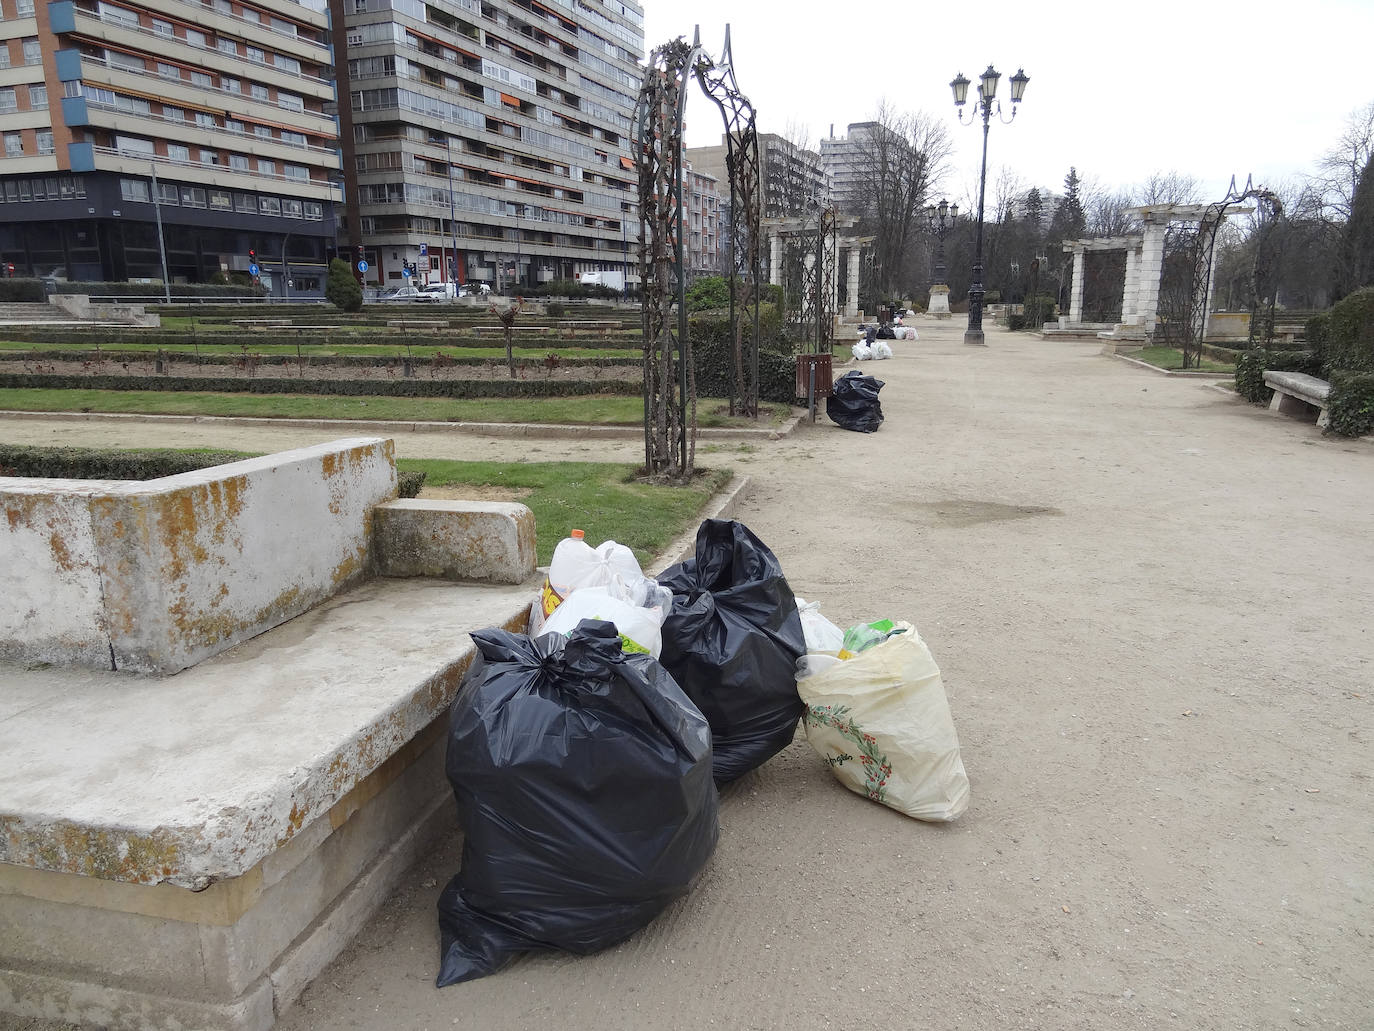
(592, 411)
(600, 498)
(1171, 358)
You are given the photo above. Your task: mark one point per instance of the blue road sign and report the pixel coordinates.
(253, 270)
(362, 266)
(424, 250)
(405, 273)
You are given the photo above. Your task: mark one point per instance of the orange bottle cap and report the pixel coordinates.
(577, 535)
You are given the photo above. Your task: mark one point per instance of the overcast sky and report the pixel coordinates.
(1118, 90)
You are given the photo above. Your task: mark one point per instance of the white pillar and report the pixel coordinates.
(775, 260)
(1076, 291)
(1130, 297)
(852, 304)
(1207, 299)
(1151, 266)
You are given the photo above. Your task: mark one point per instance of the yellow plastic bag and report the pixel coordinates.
(881, 722)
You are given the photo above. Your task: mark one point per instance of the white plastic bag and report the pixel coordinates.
(577, 564)
(882, 723)
(904, 333)
(640, 629)
(862, 351)
(821, 635)
(881, 350)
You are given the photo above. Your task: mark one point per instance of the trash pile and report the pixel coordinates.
(585, 756)
(853, 402)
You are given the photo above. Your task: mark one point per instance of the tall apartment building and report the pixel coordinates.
(480, 139)
(489, 140)
(845, 160)
(792, 176)
(701, 217)
(214, 117)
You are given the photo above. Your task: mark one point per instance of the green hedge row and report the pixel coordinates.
(1251, 366)
(186, 341)
(418, 387)
(713, 358)
(77, 463)
(315, 361)
(155, 290)
(22, 291)
(1351, 404)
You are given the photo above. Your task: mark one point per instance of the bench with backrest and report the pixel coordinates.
(1296, 393)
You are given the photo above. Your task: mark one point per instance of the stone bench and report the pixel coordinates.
(518, 331)
(1296, 393)
(259, 323)
(573, 326)
(192, 850)
(416, 324)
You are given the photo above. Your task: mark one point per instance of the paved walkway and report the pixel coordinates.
(1152, 606)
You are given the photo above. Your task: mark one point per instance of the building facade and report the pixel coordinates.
(845, 160)
(792, 176)
(489, 140)
(211, 119)
(702, 222)
(481, 140)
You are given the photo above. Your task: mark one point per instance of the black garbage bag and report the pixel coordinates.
(853, 402)
(885, 333)
(732, 642)
(583, 781)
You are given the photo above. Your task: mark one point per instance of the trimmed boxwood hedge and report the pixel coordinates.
(78, 463)
(317, 361)
(22, 291)
(714, 361)
(177, 339)
(1251, 366)
(417, 387)
(1351, 403)
(155, 291)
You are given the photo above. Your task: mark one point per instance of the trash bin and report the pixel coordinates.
(824, 376)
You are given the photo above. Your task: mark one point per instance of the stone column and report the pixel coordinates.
(1151, 266)
(851, 307)
(775, 260)
(1207, 300)
(1076, 291)
(1129, 300)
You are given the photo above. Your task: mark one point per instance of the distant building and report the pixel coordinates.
(792, 176)
(702, 222)
(845, 161)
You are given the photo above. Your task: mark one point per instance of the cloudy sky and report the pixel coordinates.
(1202, 87)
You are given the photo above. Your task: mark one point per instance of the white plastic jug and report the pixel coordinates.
(577, 564)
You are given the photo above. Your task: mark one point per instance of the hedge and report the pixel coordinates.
(713, 357)
(155, 290)
(313, 361)
(1349, 335)
(22, 291)
(284, 338)
(1351, 403)
(75, 463)
(417, 387)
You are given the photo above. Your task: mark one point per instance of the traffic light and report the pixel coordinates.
(9, 270)
(252, 256)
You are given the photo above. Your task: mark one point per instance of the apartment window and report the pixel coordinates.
(314, 210)
(230, 85)
(119, 16)
(134, 145)
(296, 139)
(295, 171)
(173, 114)
(233, 125)
(220, 200)
(195, 37)
(209, 157)
(23, 8)
(14, 144)
(238, 162)
(178, 152)
(292, 209)
(4, 54)
(258, 91)
(255, 54)
(203, 80)
(134, 190)
(286, 28)
(251, 15)
(205, 119)
(287, 64)
(262, 132)
(245, 202)
(192, 197)
(290, 101)
(163, 28)
(167, 193)
(227, 46)
(33, 53)
(168, 71)
(266, 166)
(8, 103)
(269, 206)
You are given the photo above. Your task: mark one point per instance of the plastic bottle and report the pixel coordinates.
(571, 557)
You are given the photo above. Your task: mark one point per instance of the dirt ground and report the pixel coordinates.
(1152, 607)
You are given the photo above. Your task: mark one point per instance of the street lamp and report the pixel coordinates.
(987, 98)
(941, 221)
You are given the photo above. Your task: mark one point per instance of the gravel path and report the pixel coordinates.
(1152, 607)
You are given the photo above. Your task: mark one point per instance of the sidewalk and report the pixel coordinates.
(1151, 604)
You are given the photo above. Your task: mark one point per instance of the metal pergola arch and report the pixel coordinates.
(669, 380)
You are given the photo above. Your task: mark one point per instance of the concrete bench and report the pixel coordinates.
(191, 850)
(1296, 393)
(519, 330)
(416, 324)
(573, 326)
(259, 323)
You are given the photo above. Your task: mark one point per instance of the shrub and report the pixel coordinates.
(555, 309)
(408, 484)
(714, 360)
(341, 289)
(28, 291)
(155, 291)
(1350, 333)
(75, 463)
(337, 388)
(1351, 404)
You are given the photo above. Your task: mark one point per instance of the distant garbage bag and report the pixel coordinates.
(861, 351)
(881, 350)
(732, 641)
(881, 722)
(583, 781)
(853, 402)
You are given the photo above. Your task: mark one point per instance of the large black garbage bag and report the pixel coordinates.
(853, 403)
(583, 781)
(732, 642)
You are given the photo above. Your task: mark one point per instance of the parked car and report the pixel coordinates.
(398, 293)
(436, 292)
(474, 290)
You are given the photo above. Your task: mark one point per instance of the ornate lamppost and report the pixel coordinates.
(987, 98)
(941, 221)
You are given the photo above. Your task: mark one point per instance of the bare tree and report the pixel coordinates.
(908, 154)
(1168, 188)
(1340, 167)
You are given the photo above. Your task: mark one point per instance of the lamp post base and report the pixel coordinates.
(974, 338)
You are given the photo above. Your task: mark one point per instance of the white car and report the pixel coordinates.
(398, 293)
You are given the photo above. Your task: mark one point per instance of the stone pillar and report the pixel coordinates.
(1131, 287)
(1151, 266)
(1076, 291)
(1207, 299)
(851, 307)
(775, 260)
